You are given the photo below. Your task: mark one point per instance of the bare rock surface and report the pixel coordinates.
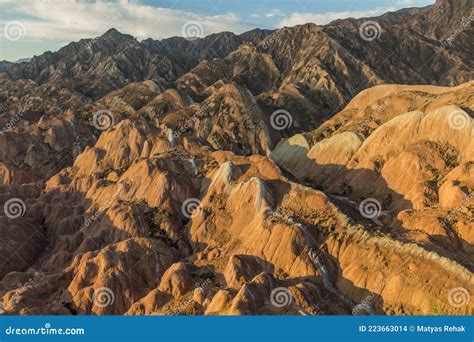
(152, 178)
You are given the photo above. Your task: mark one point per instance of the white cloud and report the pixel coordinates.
(72, 20)
(50, 24)
(275, 13)
(325, 18)
(298, 18)
(405, 2)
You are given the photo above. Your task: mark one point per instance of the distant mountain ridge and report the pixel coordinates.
(95, 67)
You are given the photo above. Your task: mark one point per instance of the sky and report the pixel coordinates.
(31, 27)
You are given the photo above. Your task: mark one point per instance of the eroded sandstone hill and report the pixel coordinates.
(120, 218)
(243, 174)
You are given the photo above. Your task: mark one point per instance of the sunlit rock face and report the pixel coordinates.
(302, 171)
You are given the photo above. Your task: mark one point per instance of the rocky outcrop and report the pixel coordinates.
(153, 178)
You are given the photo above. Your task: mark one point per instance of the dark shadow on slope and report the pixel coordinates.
(362, 194)
(447, 246)
(73, 234)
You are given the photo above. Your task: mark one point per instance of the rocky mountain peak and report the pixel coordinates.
(116, 36)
